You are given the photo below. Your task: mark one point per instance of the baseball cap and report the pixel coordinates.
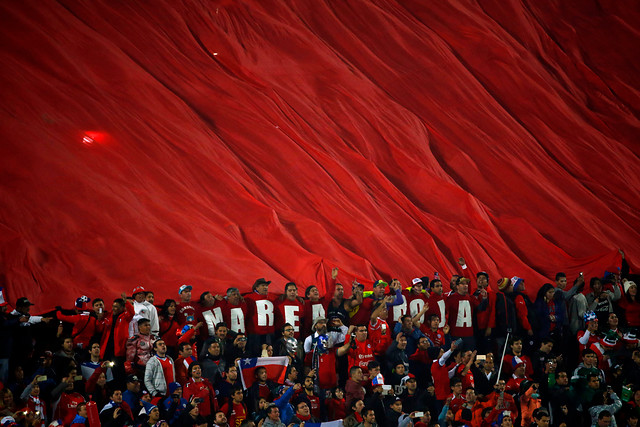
(23, 302)
(137, 290)
(184, 288)
(260, 281)
(416, 280)
(132, 379)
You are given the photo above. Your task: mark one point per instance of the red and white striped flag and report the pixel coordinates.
(276, 369)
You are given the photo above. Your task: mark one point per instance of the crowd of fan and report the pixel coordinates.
(395, 356)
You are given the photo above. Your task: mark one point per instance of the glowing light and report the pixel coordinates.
(87, 140)
(215, 53)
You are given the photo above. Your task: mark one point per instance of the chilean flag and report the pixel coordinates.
(276, 369)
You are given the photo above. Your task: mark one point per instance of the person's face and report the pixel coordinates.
(238, 396)
(501, 386)
(397, 406)
(399, 369)
(546, 347)
(150, 298)
(145, 328)
(102, 379)
(435, 321)
(452, 282)
(67, 345)
(232, 374)
(407, 323)
(155, 414)
(463, 288)
(187, 351)
(186, 295)
(116, 308)
(457, 388)
(195, 411)
(292, 293)
(371, 416)
(82, 411)
(488, 364)
(594, 383)
(562, 379)
(35, 390)
(314, 295)
(417, 288)
(214, 349)
(359, 406)
(466, 357)
(374, 372)
(357, 375)
(196, 372)
(171, 309)
(221, 418)
(308, 383)
(117, 396)
(482, 282)
(437, 288)
(234, 297)
(161, 348)
(303, 409)
(270, 351)
(293, 374)
(423, 343)
(321, 327)
(613, 321)
(378, 291)
(633, 290)
(274, 414)
(139, 297)
(632, 422)
(339, 394)
(97, 306)
(222, 332)
(262, 403)
(262, 289)
(544, 421)
(519, 371)
(593, 325)
(561, 282)
(590, 360)
(470, 395)
(134, 386)
(516, 347)
(95, 349)
(597, 286)
(507, 422)
(262, 375)
(412, 384)
(361, 333)
(288, 332)
(549, 294)
(146, 397)
(402, 343)
(338, 292)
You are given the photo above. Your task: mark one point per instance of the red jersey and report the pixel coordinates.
(380, 336)
(210, 316)
(437, 337)
(186, 313)
(361, 355)
(460, 310)
(66, 408)
(120, 330)
(412, 304)
(510, 362)
(441, 380)
(182, 369)
(456, 403)
(84, 327)
(593, 338)
(236, 413)
(290, 312)
(234, 316)
(467, 380)
(315, 309)
(168, 327)
(204, 390)
(260, 313)
(327, 371)
(437, 305)
(167, 369)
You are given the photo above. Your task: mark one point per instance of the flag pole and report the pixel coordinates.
(504, 351)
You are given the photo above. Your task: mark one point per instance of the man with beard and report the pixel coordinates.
(320, 351)
(220, 420)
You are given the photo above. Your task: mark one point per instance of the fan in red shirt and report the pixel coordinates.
(236, 410)
(260, 315)
(414, 300)
(289, 309)
(589, 336)
(379, 332)
(200, 388)
(186, 310)
(210, 312)
(233, 311)
(437, 302)
(360, 350)
(84, 322)
(115, 329)
(516, 356)
(485, 319)
(461, 311)
(316, 306)
(68, 400)
(442, 372)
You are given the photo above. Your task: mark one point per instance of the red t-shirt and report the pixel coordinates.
(66, 409)
(210, 316)
(361, 355)
(461, 310)
(437, 305)
(186, 313)
(441, 379)
(437, 337)
(234, 316)
(204, 390)
(290, 312)
(361, 314)
(260, 318)
(167, 369)
(380, 336)
(236, 414)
